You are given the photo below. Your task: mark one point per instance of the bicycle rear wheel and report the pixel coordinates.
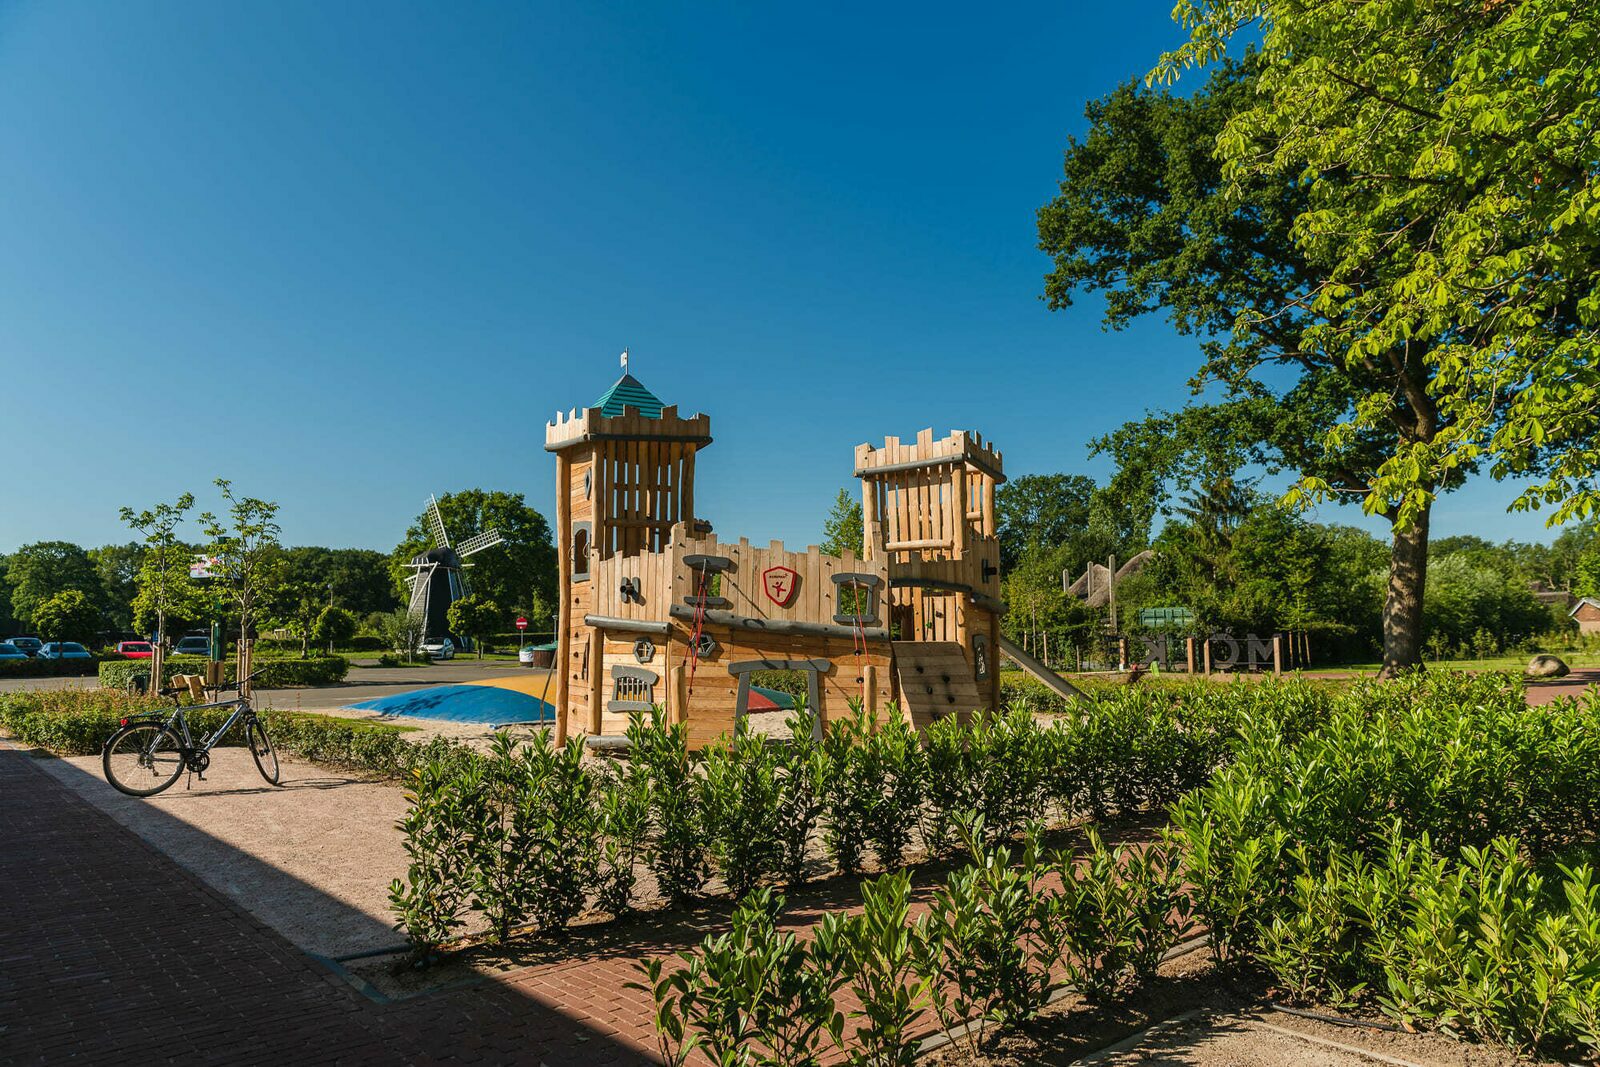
(262, 752)
(142, 759)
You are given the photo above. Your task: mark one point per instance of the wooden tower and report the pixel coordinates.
(928, 512)
(624, 478)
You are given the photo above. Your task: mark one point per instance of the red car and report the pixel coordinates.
(134, 649)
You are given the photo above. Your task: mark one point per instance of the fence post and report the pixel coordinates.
(1277, 654)
(1205, 648)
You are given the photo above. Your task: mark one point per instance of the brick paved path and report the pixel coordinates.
(111, 953)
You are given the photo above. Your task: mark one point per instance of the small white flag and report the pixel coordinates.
(624, 359)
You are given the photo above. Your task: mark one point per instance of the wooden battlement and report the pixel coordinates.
(813, 595)
(590, 424)
(961, 446)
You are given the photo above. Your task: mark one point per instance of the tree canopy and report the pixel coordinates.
(512, 574)
(1321, 259)
(843, 529)
(41, 570)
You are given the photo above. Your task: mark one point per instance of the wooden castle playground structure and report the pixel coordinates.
(655, 609)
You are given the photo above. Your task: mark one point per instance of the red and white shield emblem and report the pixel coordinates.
(780, 583)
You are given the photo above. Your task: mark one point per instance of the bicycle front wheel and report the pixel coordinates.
(142, 759)
(262, 752)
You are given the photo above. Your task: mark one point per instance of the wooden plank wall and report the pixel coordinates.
(815, 595)
(714, 699)
(652, 569)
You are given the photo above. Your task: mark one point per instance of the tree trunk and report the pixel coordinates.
(1402, 605)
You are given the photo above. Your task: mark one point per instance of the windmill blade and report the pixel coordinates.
(479, 542)
(435, 523)
(420, 581)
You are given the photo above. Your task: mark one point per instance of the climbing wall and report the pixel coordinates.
(935, 681)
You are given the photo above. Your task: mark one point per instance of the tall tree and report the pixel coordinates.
(1040, 511)
(164, 572)
(1147, 216)
(475, 618)
(512, 573)
(118, 567)
(357, 579)
(843, 528)
(8, 622)
(1043, 513)
(244, 542)
(70, 615)
(39, 571)
(1447, 153)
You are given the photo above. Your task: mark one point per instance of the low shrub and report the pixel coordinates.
(1478, 945)
(78, 722)
(55, 668)
(275, 673)
(802, 784)
(738, 797)
(998, 940)
(753, 995)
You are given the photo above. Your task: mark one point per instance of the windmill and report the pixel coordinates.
(439, 577)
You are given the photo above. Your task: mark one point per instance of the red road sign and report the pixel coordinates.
(522, 624)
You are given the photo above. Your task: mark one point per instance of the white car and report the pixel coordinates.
(444, 649)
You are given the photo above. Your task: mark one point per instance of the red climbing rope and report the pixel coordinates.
(699, 624)
(859, 632)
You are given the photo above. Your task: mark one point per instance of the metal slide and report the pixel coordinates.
(1014, 652)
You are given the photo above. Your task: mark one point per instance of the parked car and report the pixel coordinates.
(193, 646)
(29, 645)
(10, 653)
(135, 649)
(63, 650)
(445, 649)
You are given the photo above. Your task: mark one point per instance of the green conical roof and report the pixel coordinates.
(628, 392)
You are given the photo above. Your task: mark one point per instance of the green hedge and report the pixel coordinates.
(276, 673)
(78, 722)
(54, 668)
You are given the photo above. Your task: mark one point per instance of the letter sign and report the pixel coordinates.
(780, 583)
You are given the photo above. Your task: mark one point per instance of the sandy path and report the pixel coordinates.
(312, 858)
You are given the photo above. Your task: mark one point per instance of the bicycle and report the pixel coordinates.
(148, 753)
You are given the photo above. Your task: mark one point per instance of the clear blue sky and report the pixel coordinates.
(351, 254)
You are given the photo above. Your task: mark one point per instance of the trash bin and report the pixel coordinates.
(537, 656)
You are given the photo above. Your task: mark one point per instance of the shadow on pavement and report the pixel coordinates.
(111, 952)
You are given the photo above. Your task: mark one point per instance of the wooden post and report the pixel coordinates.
(1122, 653)
(1205, 647)
(560, 659)
(1189, 641)
(869, 695)
(1111, 589)
(597, 678)
(1277, 654)
(956, 522)
(679, 710)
